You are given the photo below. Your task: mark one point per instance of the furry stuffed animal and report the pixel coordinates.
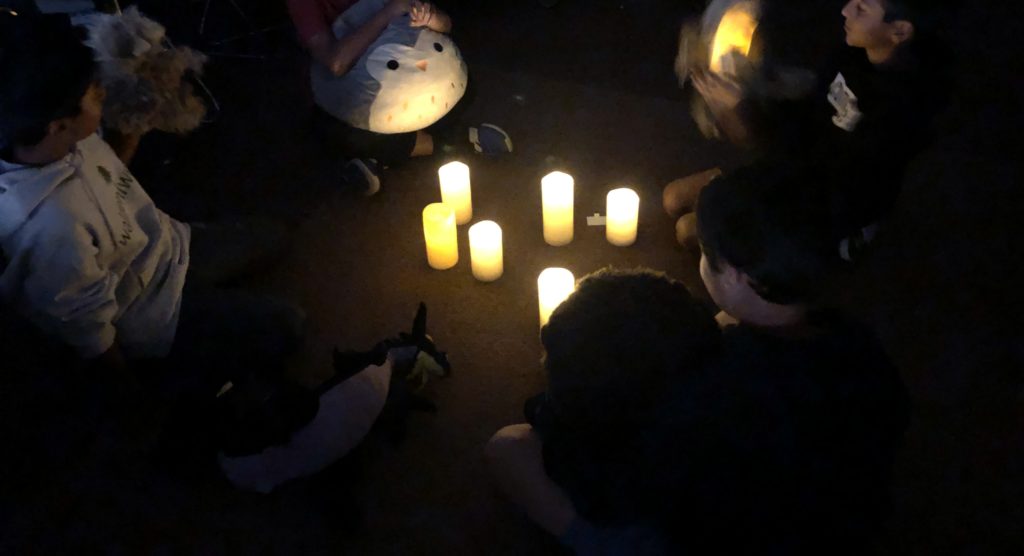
(724, 42)
(145, 79)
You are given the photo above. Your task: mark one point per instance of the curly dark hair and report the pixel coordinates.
(613, 345)
(45, 71)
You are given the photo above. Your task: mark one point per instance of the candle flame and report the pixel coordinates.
(735, 33)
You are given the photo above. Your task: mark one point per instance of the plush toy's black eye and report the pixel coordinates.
(392, 64)
(438, 47)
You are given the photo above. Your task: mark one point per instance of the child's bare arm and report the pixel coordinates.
(339, 55)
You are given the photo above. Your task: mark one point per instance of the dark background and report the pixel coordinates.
(590, 83)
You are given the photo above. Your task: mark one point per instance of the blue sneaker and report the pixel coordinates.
(361, 176)
(852, 248)
(490, 139)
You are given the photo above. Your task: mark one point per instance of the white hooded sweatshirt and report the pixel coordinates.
(89, 257)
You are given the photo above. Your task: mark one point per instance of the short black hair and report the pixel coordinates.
(771, 223)
(923, 14)
(614, 344)
(45, 71)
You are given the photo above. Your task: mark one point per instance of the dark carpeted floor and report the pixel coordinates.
(591, 85)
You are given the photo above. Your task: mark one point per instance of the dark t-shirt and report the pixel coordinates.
(861, 126)
(786, 445)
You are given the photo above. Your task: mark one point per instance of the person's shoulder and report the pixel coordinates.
(95, 147)
(834, 331)
(826, 339)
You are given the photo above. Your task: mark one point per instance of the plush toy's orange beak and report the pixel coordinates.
(422, 65)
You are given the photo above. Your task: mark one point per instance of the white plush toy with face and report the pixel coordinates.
(418, 84)
(408, 78)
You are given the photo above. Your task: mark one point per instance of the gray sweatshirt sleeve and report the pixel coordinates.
(70, 294)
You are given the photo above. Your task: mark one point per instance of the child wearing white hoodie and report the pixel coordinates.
(88, 258)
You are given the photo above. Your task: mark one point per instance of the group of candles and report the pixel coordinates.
(485, 241)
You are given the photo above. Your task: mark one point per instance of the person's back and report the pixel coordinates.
(802, 423)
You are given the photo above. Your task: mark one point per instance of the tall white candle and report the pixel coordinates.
(623, 210)
(556, 191)
(440, 236)
(485, 251)
(554, 285)
(455, 190)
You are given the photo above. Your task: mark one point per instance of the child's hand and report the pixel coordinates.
(421, 14)
(721, 94)
(725, 319)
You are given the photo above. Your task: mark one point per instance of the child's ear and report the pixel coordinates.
(56, 127)
(902, 31)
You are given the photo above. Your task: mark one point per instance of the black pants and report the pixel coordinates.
(225, 332)
(391, 149)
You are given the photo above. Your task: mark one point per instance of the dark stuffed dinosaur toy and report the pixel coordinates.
(271, 430)
(416, 361)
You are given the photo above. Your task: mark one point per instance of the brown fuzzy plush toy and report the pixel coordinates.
(146, 79)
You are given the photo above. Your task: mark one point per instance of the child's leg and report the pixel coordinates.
(424, 144)
(515, 457)
(224, 334)
(347, 412)
(345, 141)
(680, 195)
(222, 252)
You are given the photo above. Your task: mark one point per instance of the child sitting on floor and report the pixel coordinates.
(869, 115)
(781, 442)
(803, 414)
(593, 451)
(382, 72)
(89, 259)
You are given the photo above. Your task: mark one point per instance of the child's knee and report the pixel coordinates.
(669, 199)
(686, 230)
(511, 443)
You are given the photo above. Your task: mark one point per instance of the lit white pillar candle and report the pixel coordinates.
(554, 285)
(556, 191)
(623, 209)
(439, 234)
(485, 251)
(455, 190)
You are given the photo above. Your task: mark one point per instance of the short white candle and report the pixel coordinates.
(623, 209)
(440, 236)
(556, 191)
(554, 285)
(455, 190)
(485, 251)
